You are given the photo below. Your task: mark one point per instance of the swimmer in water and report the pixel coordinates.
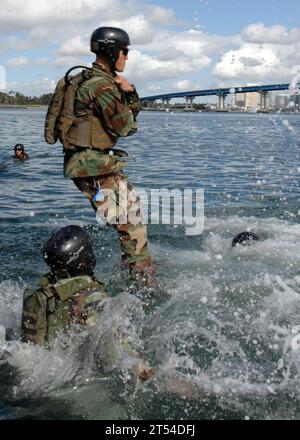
(20, 152)
(245, 239)
(70, 296)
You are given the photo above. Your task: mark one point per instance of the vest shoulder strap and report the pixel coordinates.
(35, 315)
(67, 288)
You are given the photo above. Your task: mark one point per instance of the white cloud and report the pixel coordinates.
(266, 54)
(192, 43)
(67, 61)
(154, 88)
(11, 43)
(38, 17)
(55, 12)
(143, 67)
(167, 44)
(75, 46)
(260, 34)
(42, 35)
(249, 61)
(138, 27)
(17, 62)
(177, 53)
(160, 56)
(162, 15)
(33, 88)
(182, 85)
(169, 55)
(190, 47)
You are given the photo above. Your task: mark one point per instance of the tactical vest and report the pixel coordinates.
(23, 157)
(83, 128)
(53, 308)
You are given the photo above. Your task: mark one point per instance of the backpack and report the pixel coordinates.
(62, 104)
(52, 308)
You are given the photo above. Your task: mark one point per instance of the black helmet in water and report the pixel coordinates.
(69, 251)
(245, 239)
(19, 147)
(108, 41)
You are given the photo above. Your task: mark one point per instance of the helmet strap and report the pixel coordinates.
(106, 60)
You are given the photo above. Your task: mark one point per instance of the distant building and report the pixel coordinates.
(252, 101)
(239, 100)
(296, 99)
(246, 101)
(281, 101)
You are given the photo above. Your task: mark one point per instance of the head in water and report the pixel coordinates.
(19, 150)
(69, 252)
(245, 239)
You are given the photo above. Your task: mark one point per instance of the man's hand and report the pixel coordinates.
(123, 84)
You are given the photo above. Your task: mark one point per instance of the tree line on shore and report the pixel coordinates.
(17, 98)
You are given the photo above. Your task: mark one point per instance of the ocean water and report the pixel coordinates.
(225, 339)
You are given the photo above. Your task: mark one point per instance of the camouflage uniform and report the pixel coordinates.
(56, 305)
(24, 156)
(91, 162)
(59, 305)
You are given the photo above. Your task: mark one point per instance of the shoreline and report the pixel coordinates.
(221, 111)
(43, 106)
(19, 106)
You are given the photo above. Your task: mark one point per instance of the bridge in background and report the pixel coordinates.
(220, 93)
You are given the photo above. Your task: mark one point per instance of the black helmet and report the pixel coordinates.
(70, 251)
(107, 41)
(19, 147)
(245, 238)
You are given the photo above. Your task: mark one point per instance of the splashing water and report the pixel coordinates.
(225, 340)
(226, 336)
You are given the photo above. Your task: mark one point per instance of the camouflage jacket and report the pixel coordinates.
(23, 157)
(114, 116)
(116, 108)
(56, 305)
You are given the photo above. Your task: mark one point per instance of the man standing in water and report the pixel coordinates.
(105, 107)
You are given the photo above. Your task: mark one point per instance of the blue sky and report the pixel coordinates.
(176, 45)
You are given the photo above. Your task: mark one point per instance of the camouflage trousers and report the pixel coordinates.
(119, 204)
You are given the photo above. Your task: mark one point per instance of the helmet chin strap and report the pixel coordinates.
(113, 55)
(111, 64)
(110, 55)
